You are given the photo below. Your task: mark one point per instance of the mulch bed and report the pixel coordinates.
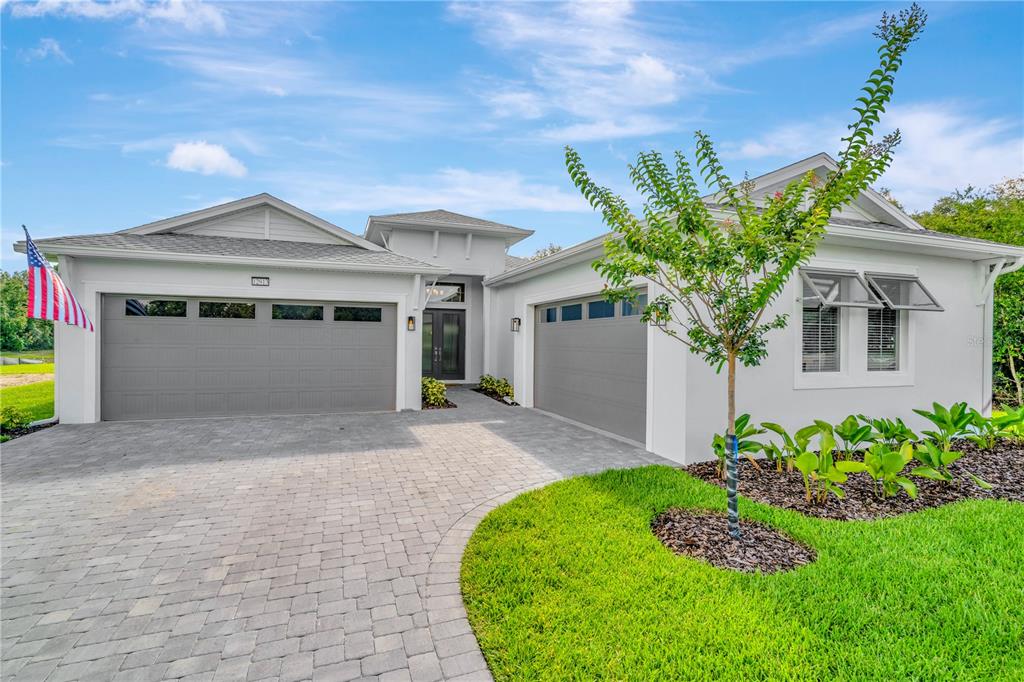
(495, 396)
(705, 536)
(449, 404)
(1002, 467)
(18, 433)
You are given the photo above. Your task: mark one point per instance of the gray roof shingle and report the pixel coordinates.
(443, 217)
(193, 244)
(514, 261)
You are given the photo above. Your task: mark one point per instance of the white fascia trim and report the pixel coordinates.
(169, 224)
(958, 248)
(558, 259)
(511, 234)
(289, 263)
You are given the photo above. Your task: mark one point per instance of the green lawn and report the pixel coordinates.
(35, 399)
(29, 354)
(568, 582)
(42, 368)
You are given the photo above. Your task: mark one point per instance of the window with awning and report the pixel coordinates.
(837, 289)
(902, 292)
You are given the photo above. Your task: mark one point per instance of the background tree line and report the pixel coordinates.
(17, 332)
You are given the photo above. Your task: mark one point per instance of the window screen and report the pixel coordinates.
(820, 339)
(883, 340)
(637, 308)
(143, 307)
(599, 309)
(289, 311)
(572, 312)
(355, 314)
(225, 310)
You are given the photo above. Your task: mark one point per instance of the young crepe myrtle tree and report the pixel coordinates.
(719, 268)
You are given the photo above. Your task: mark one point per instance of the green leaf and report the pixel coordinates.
(907, 485)
(806, 462)
(928, 472)
(981, 483)
(851, 467)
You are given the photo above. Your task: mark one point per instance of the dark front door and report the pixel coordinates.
(444, 344)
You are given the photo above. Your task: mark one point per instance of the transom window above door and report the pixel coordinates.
(446, 292)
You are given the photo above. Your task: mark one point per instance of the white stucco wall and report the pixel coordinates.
(78, 351)
(486, 254)
(945, 358)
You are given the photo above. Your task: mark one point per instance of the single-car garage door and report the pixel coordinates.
(198, 357)
(590, 364)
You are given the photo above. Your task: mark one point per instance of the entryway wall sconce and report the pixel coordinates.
(410, 324)
(516, 323)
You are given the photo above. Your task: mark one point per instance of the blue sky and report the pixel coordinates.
(121, 113)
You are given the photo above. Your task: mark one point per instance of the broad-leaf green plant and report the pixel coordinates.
(892, 432)
(985, 432)
(950, 423)
(885, 466)
(822, 474)
(852, 434)
(792, 445)
(747, 447)
(719, 269)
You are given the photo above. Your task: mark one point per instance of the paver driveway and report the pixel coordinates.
(264, 548)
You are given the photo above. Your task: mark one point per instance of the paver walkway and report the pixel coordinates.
(282, 548)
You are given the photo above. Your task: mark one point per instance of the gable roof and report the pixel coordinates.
(440, 219)
(205, 214)
(870, 203)
(196, 248)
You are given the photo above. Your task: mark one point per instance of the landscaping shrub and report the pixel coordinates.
(495, 387)
(13, 418)
(433, 392)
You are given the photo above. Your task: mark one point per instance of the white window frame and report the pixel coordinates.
(853, 329)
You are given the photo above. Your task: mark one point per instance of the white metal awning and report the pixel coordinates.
(902, 292)
(837, 288)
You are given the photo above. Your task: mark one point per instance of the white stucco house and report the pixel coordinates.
(256, 307)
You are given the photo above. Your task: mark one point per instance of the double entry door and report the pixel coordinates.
(444, 344)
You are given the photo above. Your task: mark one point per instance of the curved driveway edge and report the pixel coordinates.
(283, 548)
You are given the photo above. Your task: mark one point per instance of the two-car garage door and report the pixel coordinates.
(590, 364)
(198, 357)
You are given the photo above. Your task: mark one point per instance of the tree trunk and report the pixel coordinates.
(732, 456)
(1016, 381)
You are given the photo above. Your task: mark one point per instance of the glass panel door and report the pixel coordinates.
(451, 343)
(428, 343)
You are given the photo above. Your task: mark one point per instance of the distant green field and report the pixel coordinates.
(35, 399)
(42, 368)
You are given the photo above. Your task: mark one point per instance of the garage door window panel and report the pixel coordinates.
(631, 308)
(148, 307)
(356, 314)
(600, 309)
(295, 311)
(572, 313)
(227, 310)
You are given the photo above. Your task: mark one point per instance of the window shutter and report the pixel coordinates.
(883, 340)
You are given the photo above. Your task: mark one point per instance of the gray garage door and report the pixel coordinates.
(198, 357)
(590, 364)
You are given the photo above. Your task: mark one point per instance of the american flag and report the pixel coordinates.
(48, 296)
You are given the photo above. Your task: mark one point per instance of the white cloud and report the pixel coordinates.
(595, 62)
(944, 148)
(192, 15)
(203, 157)
(457, 189)
(607, 129)
(48, 47)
